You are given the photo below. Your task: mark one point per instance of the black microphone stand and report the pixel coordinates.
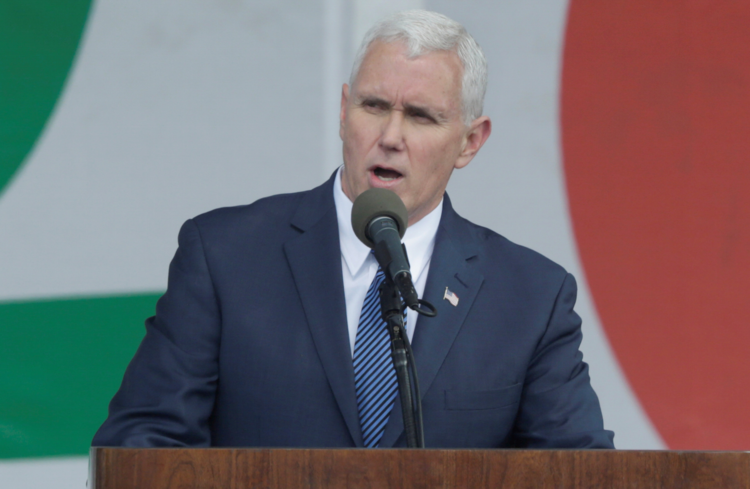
(392, 310)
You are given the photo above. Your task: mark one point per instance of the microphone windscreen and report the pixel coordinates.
(377, 202)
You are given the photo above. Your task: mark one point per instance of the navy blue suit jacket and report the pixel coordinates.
(249, 345)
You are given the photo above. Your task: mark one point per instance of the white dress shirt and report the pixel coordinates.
(359, 266)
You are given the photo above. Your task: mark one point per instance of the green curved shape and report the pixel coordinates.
(38, 42)
(61, 363)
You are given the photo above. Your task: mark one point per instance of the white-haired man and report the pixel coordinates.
(264, 336)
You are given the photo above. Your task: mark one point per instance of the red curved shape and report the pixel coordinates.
(656, 143)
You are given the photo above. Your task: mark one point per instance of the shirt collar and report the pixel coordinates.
(419, 238)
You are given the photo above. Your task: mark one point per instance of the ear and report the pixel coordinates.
(474, 139)
(342, 114)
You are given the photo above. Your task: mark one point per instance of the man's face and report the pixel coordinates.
(402, 126)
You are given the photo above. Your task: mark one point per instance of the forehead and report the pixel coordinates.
(433, 77)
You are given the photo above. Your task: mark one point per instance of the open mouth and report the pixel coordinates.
(386, 175)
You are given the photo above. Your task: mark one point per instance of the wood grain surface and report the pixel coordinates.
(126, 468)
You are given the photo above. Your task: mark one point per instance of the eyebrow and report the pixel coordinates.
(374, 99)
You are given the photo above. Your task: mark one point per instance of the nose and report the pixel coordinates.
(392, 137)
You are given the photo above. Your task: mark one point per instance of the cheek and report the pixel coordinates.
(360, 139)
(440, 141)
(440, 154)
(352, 142)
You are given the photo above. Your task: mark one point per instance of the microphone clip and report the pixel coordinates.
(403, 280)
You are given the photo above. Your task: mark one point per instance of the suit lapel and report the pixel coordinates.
(449, 267)
(315, 260)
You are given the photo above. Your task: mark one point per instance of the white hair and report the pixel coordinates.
(423, 31)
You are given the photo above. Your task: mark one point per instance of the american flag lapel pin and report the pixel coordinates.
(450, 297)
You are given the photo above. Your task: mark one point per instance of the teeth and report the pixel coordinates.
(386, 179)
(386, 175)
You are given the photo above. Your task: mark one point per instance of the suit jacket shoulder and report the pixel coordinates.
(523, 262)
(268, 214)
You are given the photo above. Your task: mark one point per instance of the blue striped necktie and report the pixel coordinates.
(374, 376)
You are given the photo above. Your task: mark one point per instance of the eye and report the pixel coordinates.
(374, 105)
(421, 116)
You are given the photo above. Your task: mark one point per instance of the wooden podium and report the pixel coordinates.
(126, 468)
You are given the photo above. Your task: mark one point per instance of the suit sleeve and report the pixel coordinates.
(559, 408)
(167, 394)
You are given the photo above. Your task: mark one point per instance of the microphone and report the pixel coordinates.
(379, 219)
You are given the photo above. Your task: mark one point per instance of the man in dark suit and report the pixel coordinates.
(254, 341)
